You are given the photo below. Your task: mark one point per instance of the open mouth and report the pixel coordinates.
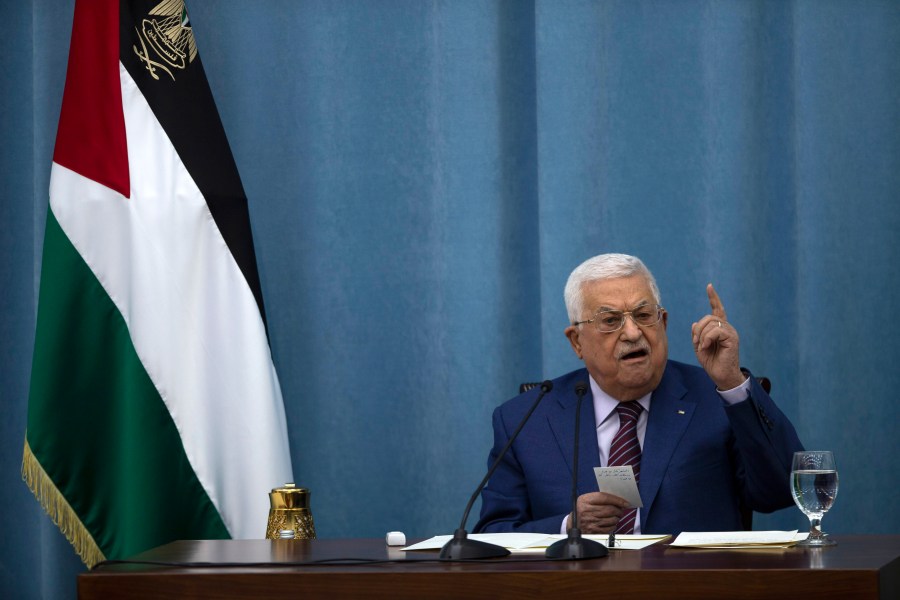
(635, 354)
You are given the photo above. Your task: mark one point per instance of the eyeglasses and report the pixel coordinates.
(607, 321)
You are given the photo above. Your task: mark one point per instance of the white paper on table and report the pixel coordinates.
(534, 543)
(620, 482)
(623, 542)
(738, 539)
(506, 540)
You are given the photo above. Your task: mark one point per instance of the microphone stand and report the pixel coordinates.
(576, 547)
(460, 547)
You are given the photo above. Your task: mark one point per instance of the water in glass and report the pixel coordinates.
(814, 485)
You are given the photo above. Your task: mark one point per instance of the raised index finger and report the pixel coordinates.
(715, 303)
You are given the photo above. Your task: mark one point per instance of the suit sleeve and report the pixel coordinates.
(765, 442)
(505, 502)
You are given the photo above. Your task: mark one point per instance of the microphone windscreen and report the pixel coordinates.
(546, 386)
(581, 388)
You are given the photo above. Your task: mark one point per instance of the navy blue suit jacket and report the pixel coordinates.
(701, 459)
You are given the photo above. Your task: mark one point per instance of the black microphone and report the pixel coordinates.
(463, 548)
(576, 547)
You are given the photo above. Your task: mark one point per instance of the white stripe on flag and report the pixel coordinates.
(190, 313)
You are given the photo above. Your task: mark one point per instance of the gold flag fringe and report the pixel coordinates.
(59, 510)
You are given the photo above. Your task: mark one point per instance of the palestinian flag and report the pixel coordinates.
(155, 412)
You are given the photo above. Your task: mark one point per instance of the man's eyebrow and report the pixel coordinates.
(640, 304)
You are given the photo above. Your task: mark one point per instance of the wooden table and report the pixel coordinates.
(858, 567)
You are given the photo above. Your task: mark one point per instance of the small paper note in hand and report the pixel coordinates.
(620, 482)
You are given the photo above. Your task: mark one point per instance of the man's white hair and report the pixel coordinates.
(604, 266)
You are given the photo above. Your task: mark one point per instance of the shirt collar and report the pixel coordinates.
(605, 405)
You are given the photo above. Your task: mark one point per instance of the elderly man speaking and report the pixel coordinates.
(705, 443)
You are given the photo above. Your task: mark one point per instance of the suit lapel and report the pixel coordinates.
(562, 423)
(670, 414)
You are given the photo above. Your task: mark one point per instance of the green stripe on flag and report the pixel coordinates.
(98, 426)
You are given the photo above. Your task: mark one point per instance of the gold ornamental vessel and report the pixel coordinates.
(289, 511)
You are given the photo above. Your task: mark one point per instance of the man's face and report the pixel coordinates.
(627, 363)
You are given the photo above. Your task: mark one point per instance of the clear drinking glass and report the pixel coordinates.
(814, 485)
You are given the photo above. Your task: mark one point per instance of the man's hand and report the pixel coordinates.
(598, 512)
(716, 345)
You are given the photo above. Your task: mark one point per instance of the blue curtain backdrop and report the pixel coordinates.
(422, 177)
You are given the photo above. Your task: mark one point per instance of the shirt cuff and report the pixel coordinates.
(738, 394)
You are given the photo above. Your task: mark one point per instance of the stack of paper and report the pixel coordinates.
(535, 543)
(738, 539)
(623, 542)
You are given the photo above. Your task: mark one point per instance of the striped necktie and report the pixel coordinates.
(626, 450)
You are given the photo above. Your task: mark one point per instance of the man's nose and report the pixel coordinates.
(630, 329)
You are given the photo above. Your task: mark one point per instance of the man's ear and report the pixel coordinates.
(572, 333)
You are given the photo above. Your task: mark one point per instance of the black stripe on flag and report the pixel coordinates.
(156, 51)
